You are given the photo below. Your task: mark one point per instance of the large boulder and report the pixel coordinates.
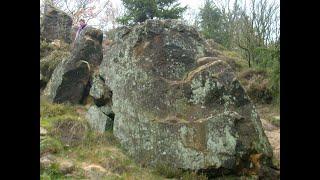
(56, 24)
(70, 81)
(172, 111)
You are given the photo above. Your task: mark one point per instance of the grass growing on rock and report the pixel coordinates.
(51, 61)
(95, 155)
(98, 155)
(169, 172)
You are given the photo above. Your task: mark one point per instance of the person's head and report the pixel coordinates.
(82, 22)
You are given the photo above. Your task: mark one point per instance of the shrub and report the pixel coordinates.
(97, 138)
(168, 172)
(256, 83)
(215, 45)
(63, 122)
(48, 110)
(234, 60)
(50, 62)
(70, 130)
(45, 48)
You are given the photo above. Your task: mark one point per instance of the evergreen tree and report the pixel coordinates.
(212, 22)
(141, 10)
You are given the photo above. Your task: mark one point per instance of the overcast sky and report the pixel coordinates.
(189, 15)
(192, 3)
(195, 5)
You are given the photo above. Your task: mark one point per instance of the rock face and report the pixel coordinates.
(70, 79)
(42, 81)
(171, 110)
(98, 119)
(99, 91)
(56, 24)
(100, 115)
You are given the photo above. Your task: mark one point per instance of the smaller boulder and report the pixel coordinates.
(98, 120)
(43, 131)
(94, 171)
(66, 167)
(100, 93)
(47, 160)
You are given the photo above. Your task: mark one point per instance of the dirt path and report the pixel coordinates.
(273, 134)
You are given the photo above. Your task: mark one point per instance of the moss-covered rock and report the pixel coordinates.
(171, 110)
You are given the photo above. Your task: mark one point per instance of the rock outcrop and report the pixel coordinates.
(56, 24)
(70, 81)
(171, 110)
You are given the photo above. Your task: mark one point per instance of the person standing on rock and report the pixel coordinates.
(82, 25)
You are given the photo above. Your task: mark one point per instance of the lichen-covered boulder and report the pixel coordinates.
(172, 111)
(99, 91)
(98, 120)
(56, 24)
(70, 79)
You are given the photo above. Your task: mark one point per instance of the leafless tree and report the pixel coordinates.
(82, 9)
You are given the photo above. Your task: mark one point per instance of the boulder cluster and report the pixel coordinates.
(168, 95)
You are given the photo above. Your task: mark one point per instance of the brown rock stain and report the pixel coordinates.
(196, 138)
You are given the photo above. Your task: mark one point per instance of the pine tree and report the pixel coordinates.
(212, 22)
(141, 10)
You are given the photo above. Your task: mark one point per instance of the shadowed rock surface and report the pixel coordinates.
(70, 79)
(172, 110)
(56, 24)
(99, 91)
(98, 120)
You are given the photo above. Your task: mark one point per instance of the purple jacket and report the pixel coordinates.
(79, 30)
